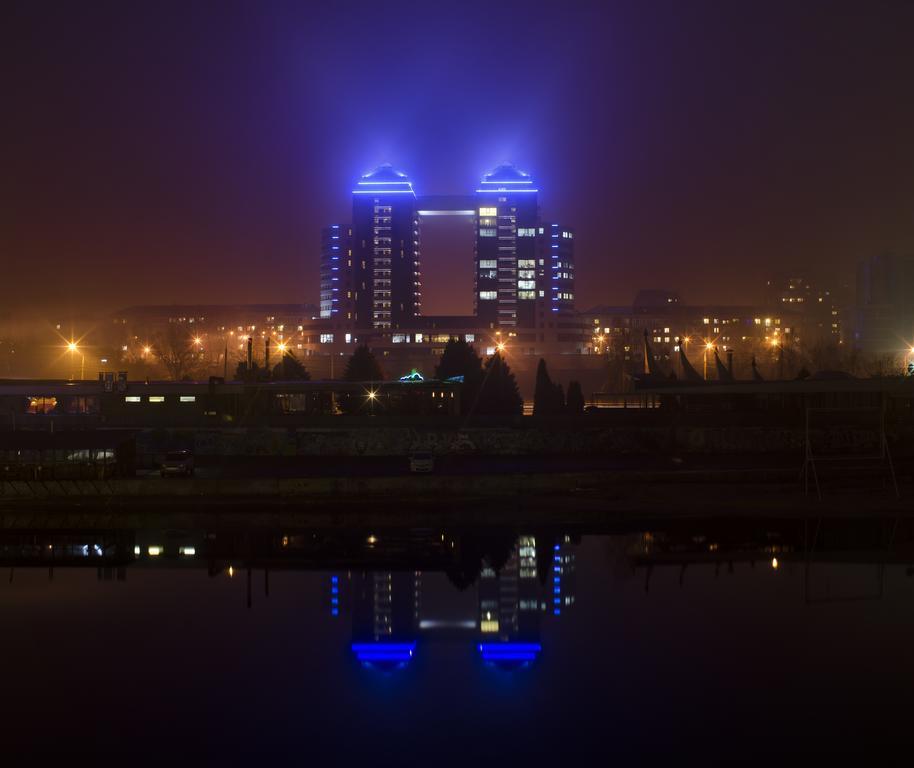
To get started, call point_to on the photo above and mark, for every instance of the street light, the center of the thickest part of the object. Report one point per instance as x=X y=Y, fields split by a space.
x=73 y=347
x=709 y=345
x=500 y=346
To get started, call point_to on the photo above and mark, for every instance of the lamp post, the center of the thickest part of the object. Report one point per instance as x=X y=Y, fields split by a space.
x=779 y=346
x=708 y=347
x=282 y=347
x=73 y=348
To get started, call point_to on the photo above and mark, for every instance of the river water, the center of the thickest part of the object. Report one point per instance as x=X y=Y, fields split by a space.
x=443 y=646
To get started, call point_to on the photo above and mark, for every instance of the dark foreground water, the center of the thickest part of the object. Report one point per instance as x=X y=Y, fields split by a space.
x=434 y=646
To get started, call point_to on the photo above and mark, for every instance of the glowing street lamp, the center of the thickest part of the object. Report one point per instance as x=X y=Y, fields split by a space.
x=73 y=348
x=500 y=346
x=709 y=345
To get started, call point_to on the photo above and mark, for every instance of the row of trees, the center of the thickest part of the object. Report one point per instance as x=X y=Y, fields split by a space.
x=489 y=387
x=549 y=399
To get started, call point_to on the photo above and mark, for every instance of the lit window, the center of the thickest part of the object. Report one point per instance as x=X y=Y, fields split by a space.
x=489 y=232
x=526 y=295
x=488 y=211
x=398 y=338
x=156 y=398
x=542 y=294
x=526 y=263
x=469 y=338
x=348 y=338
x=326 y=338
x=526 y=284
x=488 y=295
x=488 y=263
x=133 y=399
x=187 y=399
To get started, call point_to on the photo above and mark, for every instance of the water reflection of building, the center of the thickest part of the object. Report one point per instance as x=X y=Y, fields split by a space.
x=385 y=614
x=564 y=578
x=509 y=598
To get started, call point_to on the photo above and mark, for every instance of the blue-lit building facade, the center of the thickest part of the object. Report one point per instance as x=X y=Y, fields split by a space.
x=385 y=268
x=336 y=272
x=506 y=227
x=523 y=267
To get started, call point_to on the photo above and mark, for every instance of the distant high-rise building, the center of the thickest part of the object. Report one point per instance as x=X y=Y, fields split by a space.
x=371 y=271
x=818 y=311
x=885 y=304
x=506 y=229
x=336 y=275
x=386 y=279
x=555 y=271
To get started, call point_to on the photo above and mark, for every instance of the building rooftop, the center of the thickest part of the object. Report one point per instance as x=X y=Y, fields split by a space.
x=507 y=172
x=385 y=172
x=384 y=178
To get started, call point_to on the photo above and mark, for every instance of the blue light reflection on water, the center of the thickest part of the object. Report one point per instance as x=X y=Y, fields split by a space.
x=741 y=650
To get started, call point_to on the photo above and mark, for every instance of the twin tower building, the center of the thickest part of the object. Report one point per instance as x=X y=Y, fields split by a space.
x=371 y=271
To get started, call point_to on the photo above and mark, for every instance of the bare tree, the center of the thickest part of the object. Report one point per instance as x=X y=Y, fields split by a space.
x=175 y=350
x=886 y=364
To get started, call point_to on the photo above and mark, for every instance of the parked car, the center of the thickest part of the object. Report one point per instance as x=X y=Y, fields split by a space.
x=421 y=461
x=178 y=463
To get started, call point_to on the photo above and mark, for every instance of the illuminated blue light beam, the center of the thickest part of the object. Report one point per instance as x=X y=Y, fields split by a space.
x=510 y=647
x=360 y=647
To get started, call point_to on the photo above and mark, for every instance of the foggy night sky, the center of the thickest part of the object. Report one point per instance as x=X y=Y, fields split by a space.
x=190 y=152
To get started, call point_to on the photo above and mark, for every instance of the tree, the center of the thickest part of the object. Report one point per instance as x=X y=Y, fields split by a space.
x=548 y=398
x=175 y=350
x=460 y=359
x=290 y=368
x=363 y=366
x=256 y=373
x=575 y=403
x=499 y=395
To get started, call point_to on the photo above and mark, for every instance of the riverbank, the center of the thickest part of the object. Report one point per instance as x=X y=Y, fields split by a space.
x=572 y=496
